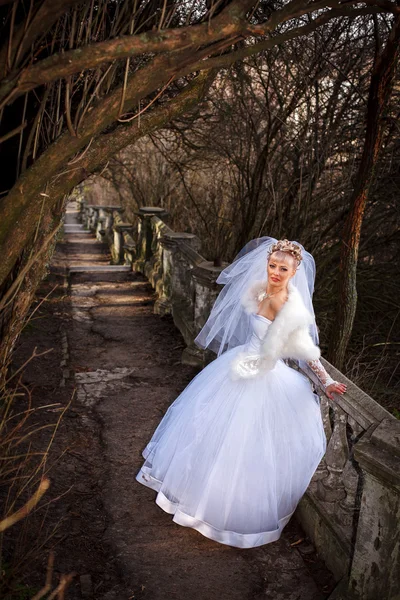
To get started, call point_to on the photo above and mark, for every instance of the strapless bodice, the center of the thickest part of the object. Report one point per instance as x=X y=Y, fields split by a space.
x=247 y=361
x=260 y=325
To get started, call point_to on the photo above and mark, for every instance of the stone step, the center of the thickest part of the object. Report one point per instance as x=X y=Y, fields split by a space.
x=101 y=277
x=78 y=227
x=100 y=269
x=72 y=227
x=80 y=232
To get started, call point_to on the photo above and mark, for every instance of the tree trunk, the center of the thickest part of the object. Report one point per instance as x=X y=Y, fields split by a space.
x=378 y=101
x=51 y=210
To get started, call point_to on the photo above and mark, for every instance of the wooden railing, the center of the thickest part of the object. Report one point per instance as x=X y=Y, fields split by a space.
x=351 y=510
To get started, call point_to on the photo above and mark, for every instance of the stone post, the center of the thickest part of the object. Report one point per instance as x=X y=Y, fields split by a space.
x=93 y=216
x=206 y=291
x=125 y=231
x=81 y=209
x=108 y=223
x=375 y=566
x=85 y=214
x=80 y=206
x=116 y=246
x=176 y=271
x=100 y=228
x=154 y=269
x=129 y=253
x=205 y=277
x=163 y=304
x=145 y=235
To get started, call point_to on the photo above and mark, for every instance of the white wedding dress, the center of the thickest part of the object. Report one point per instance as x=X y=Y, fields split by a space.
x=232 y=457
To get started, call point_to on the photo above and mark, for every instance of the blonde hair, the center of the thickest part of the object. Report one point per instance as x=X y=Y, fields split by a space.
x=286 y=247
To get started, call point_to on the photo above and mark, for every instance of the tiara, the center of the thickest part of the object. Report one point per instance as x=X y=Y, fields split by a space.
x=286 y=246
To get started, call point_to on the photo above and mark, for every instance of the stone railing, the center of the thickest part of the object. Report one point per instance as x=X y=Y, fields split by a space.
x=352 y=504
x=108 y=226
x=351 y=509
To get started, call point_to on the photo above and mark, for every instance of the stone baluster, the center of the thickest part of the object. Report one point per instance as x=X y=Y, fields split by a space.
x=117 y=251
x=93 y=218
x=177 y=266
x=206 y=290
x=145 y=234
x=349 y=504
x=331 y=488
x=126 y=240
x=89 y=211
x=154 y=265
x=79 y=204
x=117 y=239
x=100 y=227
x=163 y=304
x=117 y=212
x=108 y=223
x=375 y=566
x=86 y=215
x=129 y=248
x=82 y=216
x=322 y=470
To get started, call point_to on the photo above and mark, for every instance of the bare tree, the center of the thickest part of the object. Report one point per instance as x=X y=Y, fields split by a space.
x=160 y=46
x=77 y=78
x=292 y=120
x=378 y=100
x=277 y=161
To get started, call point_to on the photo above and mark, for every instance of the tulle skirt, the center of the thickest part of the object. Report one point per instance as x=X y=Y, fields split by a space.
x=232 y=458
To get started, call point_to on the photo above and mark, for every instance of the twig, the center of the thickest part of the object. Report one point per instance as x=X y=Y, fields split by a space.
x=49 y=575
x=140 y=112
x=80 y=156
x=23 y=272
x=21 y=368
x=13 y=132
x=26 y=509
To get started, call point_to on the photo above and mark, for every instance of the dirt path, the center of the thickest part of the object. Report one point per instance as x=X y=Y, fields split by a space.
x=124 y=363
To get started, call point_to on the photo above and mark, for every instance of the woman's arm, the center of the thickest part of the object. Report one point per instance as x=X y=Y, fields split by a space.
x=330 y=385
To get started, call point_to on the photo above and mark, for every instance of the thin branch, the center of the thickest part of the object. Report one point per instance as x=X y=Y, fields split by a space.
x=227 y=59
x=223 y=26
x=13 y=132
x=140 y=112
x=27 y=508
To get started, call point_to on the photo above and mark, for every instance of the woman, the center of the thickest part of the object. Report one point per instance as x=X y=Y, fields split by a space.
x=237 y=449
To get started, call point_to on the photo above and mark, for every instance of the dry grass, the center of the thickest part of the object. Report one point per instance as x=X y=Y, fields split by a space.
x=25 y=481
x=24 y=478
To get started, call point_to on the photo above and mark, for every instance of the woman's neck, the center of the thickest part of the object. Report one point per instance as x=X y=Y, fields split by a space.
x=275 y=290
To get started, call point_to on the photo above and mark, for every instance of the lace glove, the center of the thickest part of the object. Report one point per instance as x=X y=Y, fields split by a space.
x=317 y=367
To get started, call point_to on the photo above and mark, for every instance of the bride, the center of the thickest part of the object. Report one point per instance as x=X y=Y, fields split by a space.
x=236 y=450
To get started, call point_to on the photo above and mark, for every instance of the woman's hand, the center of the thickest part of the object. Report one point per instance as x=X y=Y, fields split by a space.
x=339 y=388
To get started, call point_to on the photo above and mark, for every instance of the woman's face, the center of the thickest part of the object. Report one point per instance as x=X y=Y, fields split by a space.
x=281 y=267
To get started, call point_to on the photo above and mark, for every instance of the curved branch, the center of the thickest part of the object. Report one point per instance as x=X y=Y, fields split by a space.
x=230 y=22
x=19 y=215
x=226 y=60
x=23 y=37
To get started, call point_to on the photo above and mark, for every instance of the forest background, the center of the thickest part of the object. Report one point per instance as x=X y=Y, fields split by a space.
x=242 y=118
x=246 y=118
x=275 y=149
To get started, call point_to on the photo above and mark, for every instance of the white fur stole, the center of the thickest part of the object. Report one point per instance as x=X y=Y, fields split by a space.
x=288 y=335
